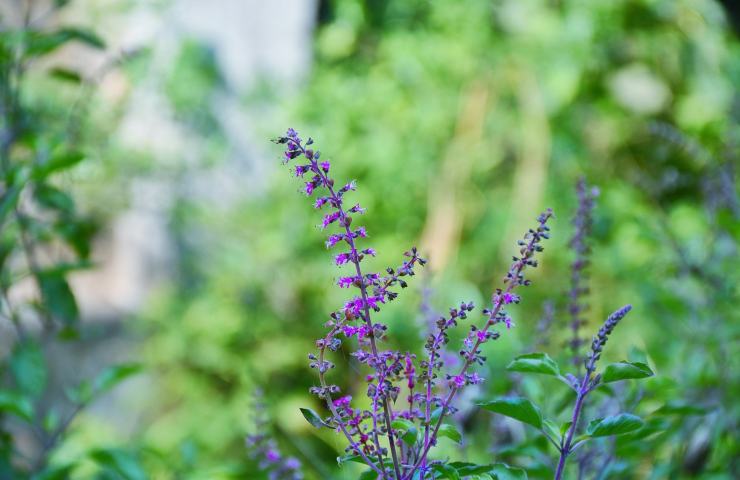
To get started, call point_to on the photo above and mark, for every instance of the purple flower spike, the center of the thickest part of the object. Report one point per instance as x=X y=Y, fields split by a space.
x=370 y=432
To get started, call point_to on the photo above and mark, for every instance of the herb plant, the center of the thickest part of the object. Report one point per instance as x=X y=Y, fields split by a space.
x=410 y=396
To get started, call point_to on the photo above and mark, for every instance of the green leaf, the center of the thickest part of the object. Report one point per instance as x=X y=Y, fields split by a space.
x=502 y=471
x=65 y=75
x=312 y=418
x=406 y=430
x=112 y=376
x=119 y=462
x=625 y=371
x=446 y=471
x=8 y=201
x=60 y=472
x=534 y=363
x=467 y=468
x=61 y=161
x=451 y=432
x=41 y=43
x=552 y=430
x=57 y=296
x=29 y=368
x=18 y=405
x=564 y=428
x=678 y=408
x=53 y=198
x=614 y=425
x=518 y=408
x=368 y=475
x=435 y=416
x=349 y=458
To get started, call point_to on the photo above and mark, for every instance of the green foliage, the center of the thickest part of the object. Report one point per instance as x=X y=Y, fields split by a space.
x=624 y=371
x=517 y=408
x=614 y=425
x=534 y=363
x=43 y=238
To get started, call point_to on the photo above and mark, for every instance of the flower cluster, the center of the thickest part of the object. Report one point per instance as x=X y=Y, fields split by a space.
x=264 y=450
x=598 y=342
x=378 y=434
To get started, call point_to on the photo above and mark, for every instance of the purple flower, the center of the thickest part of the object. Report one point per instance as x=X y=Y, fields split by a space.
x=409 y=371
x=301 y=170
x=357 y=209
x=353 y=307
x=333 y=240
x=272 y=455
x=345 y=282
x=330 y=218
x=309 y=188
x=369 y=431
x=372 y=302
x=342 y=401
x=342 y=258
x=509 y=297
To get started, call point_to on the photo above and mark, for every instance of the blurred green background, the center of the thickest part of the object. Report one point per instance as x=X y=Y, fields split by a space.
x=461 y=121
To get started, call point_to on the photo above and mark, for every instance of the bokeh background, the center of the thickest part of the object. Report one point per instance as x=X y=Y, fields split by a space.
x=461 y=121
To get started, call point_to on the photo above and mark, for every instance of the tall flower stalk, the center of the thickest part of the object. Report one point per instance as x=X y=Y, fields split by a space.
x=582 y=222
x=587 y=384
x=394 y=443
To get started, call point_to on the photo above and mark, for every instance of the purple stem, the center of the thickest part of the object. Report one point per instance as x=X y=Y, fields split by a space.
x=515 y=271
x=565 y=451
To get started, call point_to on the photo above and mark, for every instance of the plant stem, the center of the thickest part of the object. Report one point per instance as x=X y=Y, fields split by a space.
x=565 y=451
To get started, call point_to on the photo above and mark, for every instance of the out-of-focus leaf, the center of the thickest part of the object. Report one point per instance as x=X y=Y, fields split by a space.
x=78 y=232
x=8 y=201
x=518 y=408
x=534 y=363
x=29 y=368
x=65 y=75
x=499 y=471
x=41 y=43
x=17 y=404
x=678 y=408
x=61 y=161
x=119 y=462
x=58 y=297
x=502 y=471
x=112 y=376
x=625 y=371
x=53 y=198
x=59 y=472
x=6 y=248
x=451 y=432
x=614 y=425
